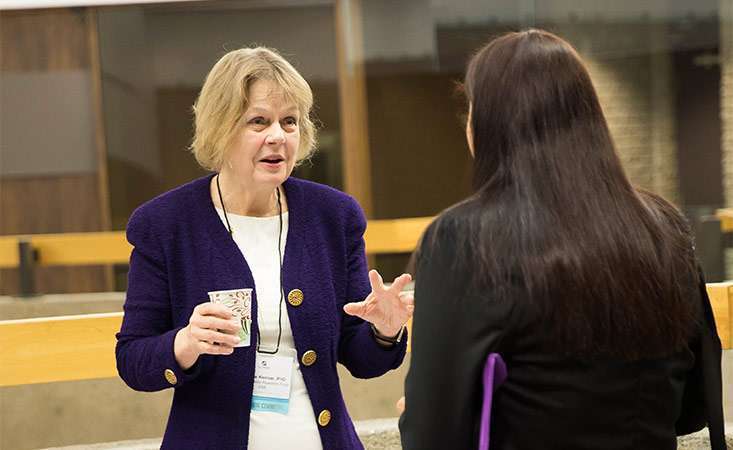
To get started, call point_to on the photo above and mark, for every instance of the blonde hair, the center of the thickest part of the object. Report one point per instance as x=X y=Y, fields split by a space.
x=223 y=100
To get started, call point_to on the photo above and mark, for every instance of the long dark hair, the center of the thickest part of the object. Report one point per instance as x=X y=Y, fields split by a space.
x=610 y=266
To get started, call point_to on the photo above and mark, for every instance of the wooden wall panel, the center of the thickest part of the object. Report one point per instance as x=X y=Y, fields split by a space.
x=44 y=40
x=420 y=159
x=52 y=205
x=175 y=132
x=49 y=204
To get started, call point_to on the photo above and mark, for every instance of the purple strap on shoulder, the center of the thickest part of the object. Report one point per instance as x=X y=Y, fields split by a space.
x=494 y=375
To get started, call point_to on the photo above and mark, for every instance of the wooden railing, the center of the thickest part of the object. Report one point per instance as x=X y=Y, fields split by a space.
x=68 y=348
x=67 y=249
x=725 y=216
x=25 y=252
x=72 y=348
x=75 y=249
x=81 y=347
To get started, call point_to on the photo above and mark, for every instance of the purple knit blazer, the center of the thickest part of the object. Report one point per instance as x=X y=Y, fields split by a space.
x=182 y=251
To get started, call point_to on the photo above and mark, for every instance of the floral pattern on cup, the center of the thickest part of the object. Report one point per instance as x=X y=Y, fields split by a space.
x=239 y=302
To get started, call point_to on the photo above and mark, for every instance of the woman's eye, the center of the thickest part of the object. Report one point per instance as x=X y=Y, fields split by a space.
x=291 y=121
x=258 y=121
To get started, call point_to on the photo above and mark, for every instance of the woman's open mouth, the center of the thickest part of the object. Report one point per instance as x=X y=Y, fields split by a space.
x=272 y=161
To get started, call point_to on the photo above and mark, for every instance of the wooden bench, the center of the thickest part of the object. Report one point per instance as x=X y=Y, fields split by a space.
x=81 y=347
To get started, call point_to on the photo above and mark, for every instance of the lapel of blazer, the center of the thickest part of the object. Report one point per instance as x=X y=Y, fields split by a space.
x=293 y=264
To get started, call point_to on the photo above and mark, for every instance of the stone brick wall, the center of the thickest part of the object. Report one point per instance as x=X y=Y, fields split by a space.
x=726 y=96
x=726 y=111
x=635 y=86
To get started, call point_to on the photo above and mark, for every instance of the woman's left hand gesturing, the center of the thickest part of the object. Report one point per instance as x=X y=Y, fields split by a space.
x=387 y=308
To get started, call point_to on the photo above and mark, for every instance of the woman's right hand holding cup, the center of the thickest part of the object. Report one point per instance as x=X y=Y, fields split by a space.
x=211 y=330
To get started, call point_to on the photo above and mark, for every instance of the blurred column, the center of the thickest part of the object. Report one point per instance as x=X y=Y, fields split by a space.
x=353 y=103
x=726 y=111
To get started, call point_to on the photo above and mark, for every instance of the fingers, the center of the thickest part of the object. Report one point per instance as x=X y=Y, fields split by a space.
x=230 y=326
x=215 y=349
x=400 y=282
x=408 y=301
x=407 y=298
x=377 y=283
x=213 y=309
x=213 y=329
x=375 y=279
x=355 y=309
x=214 y=337
x=400 y=405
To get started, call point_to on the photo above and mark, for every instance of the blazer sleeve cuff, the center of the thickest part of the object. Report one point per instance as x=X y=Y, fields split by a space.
x=380 y=358
x=168 y=373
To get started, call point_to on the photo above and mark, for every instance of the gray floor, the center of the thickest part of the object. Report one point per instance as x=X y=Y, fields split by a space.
x=379 y=434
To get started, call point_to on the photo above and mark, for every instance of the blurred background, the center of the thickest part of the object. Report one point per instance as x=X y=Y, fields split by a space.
x=95 y=119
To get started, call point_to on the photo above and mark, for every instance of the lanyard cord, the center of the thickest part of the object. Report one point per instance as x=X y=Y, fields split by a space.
x=280 y=261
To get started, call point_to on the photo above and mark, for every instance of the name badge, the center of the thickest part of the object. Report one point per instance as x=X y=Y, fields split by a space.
x=273 y=377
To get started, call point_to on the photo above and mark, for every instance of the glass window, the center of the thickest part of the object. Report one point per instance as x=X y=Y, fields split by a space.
x=51 y=160
x=655 y=65
x=154 y=61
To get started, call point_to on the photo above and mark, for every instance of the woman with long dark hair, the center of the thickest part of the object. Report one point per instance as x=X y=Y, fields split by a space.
x=586 y=286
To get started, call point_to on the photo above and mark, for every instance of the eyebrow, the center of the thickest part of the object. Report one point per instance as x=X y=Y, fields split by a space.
x=261 y=110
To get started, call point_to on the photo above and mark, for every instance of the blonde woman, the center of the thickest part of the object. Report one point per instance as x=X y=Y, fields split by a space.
x=247 y=286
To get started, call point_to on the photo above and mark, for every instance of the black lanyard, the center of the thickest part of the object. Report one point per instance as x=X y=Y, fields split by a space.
x=280 y=261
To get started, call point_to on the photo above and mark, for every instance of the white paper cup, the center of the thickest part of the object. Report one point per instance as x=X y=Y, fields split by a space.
x=239 y=302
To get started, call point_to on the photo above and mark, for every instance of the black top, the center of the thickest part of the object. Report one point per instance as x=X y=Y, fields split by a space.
x=547 y=401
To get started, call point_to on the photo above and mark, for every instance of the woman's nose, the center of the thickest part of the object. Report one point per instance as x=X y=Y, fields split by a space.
x=276 y=135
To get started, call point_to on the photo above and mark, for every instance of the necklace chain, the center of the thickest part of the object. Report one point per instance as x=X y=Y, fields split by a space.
x=280 y=261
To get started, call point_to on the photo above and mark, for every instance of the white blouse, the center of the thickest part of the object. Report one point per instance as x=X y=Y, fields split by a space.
x=257 y=239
